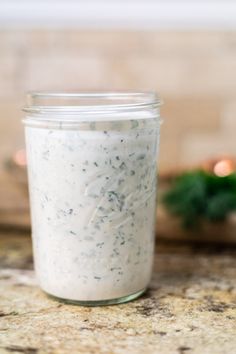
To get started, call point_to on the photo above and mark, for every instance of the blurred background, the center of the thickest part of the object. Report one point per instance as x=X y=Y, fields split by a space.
x=184 y=50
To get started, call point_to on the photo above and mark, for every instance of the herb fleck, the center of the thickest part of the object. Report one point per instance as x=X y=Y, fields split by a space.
x=134 y=124
x=100 y=244
x=141 y=157
x=122 y=166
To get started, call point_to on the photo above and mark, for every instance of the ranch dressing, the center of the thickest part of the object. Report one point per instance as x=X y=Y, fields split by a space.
x=93 y=200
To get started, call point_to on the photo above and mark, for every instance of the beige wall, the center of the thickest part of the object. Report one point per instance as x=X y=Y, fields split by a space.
x=194 y=72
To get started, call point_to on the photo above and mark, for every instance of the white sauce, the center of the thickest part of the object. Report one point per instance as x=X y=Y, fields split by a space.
x=93 y=198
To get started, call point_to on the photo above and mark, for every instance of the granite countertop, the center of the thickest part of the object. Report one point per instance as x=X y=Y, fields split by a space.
x=189 y=308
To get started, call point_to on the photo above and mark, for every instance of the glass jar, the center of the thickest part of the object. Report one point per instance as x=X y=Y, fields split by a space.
x=92 y=179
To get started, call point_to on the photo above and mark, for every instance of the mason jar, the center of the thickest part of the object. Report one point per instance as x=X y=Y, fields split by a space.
x=92 y=169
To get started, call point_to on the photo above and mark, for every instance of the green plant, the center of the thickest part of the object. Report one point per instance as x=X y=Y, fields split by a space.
x=197 y=196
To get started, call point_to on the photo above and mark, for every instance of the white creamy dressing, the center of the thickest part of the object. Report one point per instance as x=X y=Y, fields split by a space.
x=93 y=198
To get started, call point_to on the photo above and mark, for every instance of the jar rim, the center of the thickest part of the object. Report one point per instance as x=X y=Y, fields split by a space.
x=90 y=102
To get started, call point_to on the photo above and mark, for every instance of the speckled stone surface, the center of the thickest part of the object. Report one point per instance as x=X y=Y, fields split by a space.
x=189 y=308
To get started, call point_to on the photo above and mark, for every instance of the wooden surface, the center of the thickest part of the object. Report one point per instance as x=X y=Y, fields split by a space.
x=189 y=308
